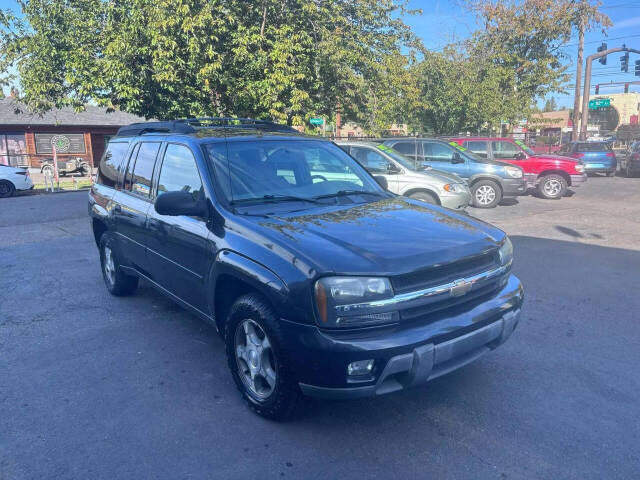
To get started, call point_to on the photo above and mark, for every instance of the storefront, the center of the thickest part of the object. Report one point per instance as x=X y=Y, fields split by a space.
x=28 y=139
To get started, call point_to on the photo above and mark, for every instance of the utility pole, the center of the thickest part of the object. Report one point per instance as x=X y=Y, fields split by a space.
x=587 y=84
x=576 y=98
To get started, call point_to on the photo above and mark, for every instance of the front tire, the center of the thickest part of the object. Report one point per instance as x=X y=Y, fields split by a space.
x=117 y=282
x=424 y=197
x=552 y=187
x=258 y=359
x=486 y=194
x=611 y=174
x=7 y=189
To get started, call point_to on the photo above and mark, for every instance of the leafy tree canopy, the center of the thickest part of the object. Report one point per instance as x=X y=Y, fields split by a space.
x=281 y=59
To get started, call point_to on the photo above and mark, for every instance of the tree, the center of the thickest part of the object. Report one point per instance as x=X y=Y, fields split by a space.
x=281 y=59
x=550 y=105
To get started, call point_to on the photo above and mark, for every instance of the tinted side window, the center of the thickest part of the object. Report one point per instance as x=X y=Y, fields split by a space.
x=437 y=152
x=143 y=169
x=111 y=162
x=503 y=149
x=477 y=147
x=370 y=159
x=406 y=148
x=179 y=172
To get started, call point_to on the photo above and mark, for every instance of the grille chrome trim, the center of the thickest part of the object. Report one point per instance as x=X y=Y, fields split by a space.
x=422 y=297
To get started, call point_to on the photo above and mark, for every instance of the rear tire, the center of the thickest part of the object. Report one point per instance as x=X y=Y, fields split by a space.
x=7 y=189
x=260 y=367
x=552 y=187
x=425 y=197
x=486 y=194
x=117 y=282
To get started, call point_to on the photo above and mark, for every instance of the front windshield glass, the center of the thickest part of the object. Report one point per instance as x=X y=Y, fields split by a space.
x=398 y=157
x=272 y=170
x=524 y=147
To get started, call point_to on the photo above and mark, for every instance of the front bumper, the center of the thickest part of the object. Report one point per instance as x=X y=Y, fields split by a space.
x=512 y=187
x=404 y=355
x=456 y=201
x=577 y=180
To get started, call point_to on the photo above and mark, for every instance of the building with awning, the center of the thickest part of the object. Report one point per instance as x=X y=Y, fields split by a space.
x=26 y=137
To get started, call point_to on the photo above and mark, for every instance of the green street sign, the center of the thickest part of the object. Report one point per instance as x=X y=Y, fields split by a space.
x=597 y=103
x=316 y=121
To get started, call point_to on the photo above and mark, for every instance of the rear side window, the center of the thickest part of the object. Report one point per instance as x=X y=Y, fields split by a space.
x=406 y=148
x=111 y=163
x=437 y=152
x=370 y=159
x=504 y=150
x=143 y=168
x=593 y=147
x=477 y=147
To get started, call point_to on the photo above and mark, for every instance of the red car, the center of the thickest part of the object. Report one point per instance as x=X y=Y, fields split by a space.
x=550 y=174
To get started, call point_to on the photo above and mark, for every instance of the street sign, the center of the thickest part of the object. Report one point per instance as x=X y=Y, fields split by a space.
x=597 y=103
x=316 y=121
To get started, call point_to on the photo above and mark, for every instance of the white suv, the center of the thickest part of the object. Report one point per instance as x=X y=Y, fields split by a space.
x=12 y=179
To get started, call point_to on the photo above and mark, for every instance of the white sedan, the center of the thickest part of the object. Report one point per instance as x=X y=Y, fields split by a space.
x=12 y=179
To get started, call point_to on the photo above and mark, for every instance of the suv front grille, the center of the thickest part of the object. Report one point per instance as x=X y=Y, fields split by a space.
x=441 y=274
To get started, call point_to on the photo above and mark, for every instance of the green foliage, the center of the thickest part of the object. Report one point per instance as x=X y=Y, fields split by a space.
x=550 y=105
x=280 y=59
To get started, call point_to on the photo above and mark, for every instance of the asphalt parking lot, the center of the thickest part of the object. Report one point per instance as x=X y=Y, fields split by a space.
x=98 y=387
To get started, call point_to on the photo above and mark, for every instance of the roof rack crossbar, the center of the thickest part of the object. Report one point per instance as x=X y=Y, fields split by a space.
x=190 y=125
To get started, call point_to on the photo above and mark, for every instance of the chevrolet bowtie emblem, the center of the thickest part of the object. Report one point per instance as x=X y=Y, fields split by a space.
x=460 y=287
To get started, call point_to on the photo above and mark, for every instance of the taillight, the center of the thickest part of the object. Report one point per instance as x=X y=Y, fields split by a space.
x=611 y=154
x=577 y=155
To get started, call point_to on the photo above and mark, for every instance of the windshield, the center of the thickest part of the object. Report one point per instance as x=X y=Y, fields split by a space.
x=263 y=171
x=401 y=159
x=524 y=147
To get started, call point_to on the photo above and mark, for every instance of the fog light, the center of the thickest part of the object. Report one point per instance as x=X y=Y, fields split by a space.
x=361 y=367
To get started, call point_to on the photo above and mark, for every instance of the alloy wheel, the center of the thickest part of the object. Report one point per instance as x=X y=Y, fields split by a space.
x=109 y=265
x=485 y=195
x=255 y=359
x=552 y=187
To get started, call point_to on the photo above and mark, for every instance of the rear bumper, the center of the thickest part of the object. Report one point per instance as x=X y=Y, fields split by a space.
x=407 y=355
x=512 y=187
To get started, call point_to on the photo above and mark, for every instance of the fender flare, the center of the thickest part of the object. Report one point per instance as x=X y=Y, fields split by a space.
x=254 y=274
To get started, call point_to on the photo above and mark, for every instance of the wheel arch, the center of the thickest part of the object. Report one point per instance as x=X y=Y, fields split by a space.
x=235 y=275
x=423 y=190
x=98 y=227
x=562 y=173
x=478 y=178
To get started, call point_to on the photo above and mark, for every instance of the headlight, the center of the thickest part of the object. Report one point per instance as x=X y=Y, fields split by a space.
x=454 y=187
x=579 y=167
x=331 y=293
x=513 y=172
x=506 y=252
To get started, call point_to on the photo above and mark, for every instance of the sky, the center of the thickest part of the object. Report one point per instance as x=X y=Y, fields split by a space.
x=445 y=21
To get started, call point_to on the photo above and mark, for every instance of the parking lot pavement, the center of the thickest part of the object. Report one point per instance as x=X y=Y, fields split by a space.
x=98 y=387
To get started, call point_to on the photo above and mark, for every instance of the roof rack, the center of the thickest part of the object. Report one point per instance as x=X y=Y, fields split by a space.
x=191 y=125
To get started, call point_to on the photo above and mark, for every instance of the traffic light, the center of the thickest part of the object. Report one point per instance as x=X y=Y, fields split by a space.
x=597 y=89
x=637 y=68
x=624 y=62
x=626 y=88
x=602 y=48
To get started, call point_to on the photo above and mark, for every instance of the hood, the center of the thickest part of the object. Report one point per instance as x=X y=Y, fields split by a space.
x=556 y=158
x=439 y=175
x=390 y=236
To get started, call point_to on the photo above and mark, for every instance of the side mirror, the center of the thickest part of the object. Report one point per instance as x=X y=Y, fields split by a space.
x=392 y=169
x=180 y=203
x=520 y=156
x=457 y=158
x=382 y=181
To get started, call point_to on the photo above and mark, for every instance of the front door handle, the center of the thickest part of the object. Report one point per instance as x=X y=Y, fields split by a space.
x=117 y=208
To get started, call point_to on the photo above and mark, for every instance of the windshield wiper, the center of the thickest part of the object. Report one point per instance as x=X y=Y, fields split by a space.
x=342 y=193
x=274 y=198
